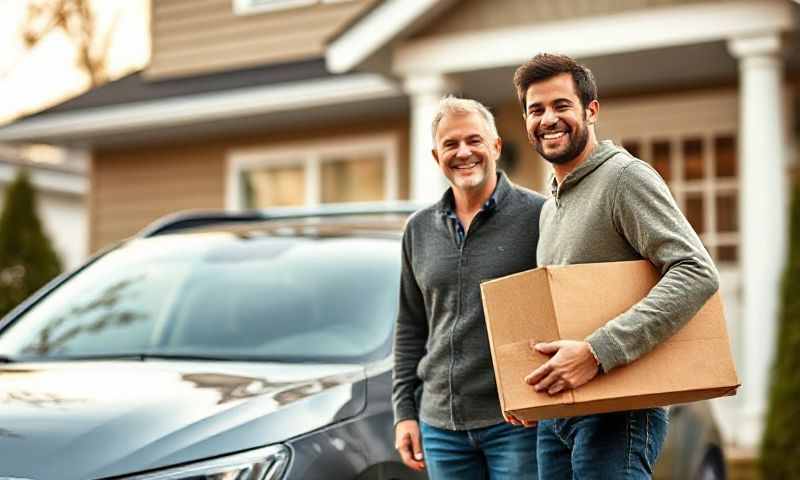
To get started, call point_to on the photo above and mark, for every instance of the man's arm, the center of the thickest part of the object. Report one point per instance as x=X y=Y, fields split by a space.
x=411 y=333
x=645 y=213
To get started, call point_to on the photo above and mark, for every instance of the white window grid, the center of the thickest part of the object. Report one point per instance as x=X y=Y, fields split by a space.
x=709 y=186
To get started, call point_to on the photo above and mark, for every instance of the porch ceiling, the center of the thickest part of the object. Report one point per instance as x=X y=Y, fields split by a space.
x=645 y=71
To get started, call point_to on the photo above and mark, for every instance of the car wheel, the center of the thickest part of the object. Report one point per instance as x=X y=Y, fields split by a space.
x=712 y=467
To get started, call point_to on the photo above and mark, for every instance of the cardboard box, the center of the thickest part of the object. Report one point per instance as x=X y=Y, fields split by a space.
x=570 y=302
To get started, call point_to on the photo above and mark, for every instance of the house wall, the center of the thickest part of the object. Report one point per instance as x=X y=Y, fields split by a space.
x=477 y=15
x=200 y=36
x=530 y=171
x=131 y=188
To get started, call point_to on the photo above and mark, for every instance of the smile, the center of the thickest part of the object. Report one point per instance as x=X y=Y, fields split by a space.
x=465 y=166
x=553 y=135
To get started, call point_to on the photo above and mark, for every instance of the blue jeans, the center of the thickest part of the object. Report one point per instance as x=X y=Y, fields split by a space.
x=619 y=445
x=499 y=452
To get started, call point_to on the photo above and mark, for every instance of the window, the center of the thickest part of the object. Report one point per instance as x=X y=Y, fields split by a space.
x=701 y=171
x=359 y=169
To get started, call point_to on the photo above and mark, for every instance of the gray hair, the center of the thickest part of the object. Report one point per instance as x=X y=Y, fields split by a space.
x=451 y=105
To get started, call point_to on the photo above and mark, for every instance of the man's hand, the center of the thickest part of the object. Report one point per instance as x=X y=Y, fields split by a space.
x=572 y=365
x=407 y=442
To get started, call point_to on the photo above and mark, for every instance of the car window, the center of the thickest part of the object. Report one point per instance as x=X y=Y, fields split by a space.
x=219 y=295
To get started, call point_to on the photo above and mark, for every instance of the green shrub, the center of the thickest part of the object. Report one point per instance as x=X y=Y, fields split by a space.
x=780 y=447
x=27 y=259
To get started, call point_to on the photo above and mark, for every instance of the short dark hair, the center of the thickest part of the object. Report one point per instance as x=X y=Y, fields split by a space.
x=547 y=65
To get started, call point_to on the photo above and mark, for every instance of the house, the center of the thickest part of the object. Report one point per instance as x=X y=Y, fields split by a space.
x=61 y=187
x=257 y=103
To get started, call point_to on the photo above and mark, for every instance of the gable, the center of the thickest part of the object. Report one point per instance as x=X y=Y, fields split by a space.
x=191 y=37
x=480 y=15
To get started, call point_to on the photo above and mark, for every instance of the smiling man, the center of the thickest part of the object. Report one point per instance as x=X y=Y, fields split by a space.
x=606 y=206
x=483 y=227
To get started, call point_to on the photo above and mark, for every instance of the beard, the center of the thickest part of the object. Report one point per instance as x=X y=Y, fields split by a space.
x=578 y=138
x=477 y=178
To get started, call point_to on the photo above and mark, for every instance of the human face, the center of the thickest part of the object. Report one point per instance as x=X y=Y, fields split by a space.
x=557 y=124
x=466 y=151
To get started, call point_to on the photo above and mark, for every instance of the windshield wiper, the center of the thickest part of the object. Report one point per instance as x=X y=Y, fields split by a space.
x=7 y=359
x=184 y=356
x=213 y=358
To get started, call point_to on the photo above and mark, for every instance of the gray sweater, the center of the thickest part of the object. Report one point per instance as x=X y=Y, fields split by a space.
x=441 y=342
x=612 y=208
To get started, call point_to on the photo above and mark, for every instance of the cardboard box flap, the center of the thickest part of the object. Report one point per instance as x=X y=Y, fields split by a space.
x=521 y=360
x=623 y=285
x=518 y=321
x=583 y=304
x=510 y=339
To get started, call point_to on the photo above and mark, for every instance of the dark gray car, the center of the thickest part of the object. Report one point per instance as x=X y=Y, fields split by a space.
x=249 y=346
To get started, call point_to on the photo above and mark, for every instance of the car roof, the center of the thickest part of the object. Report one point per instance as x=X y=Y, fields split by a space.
x=348 y=218
x=362 y=226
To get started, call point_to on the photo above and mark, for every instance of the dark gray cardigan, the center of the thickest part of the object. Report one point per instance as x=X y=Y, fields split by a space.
x=441 y=341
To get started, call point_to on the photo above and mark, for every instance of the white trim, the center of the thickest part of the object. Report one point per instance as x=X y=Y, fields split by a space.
x=595 y=36
x=252 y=7
x=379 y=27
x=54 y=181
x=313 y=171
x=204 y=107
x=311 y=155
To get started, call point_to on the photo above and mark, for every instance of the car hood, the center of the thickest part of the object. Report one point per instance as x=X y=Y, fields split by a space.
x=86 y=420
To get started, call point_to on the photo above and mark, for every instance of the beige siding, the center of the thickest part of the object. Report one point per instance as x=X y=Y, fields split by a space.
x=200 y=36
x=530 y=171
x=131 y=188
x=477 y=15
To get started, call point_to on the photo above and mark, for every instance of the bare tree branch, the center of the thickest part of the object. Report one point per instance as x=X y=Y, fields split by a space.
x=78 y=21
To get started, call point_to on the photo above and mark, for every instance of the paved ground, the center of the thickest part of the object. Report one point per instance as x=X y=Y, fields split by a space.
x=742 y=464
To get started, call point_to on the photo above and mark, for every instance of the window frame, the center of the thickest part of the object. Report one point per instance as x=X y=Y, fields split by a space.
x=709 y=187
x=311 y=156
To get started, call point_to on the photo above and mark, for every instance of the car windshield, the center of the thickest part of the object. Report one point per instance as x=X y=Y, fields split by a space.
x=221 y=296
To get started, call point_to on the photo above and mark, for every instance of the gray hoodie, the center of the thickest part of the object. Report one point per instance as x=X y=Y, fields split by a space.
x=615 y=207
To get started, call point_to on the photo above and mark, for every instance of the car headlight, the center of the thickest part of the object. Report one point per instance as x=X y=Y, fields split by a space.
x=263 y=464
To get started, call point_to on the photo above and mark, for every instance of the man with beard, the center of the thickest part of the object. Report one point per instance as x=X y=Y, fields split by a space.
x=483 y=227
x=606 y=206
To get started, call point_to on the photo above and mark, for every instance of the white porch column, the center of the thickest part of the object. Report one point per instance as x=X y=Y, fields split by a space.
x=762 y=215
x=427 y=181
